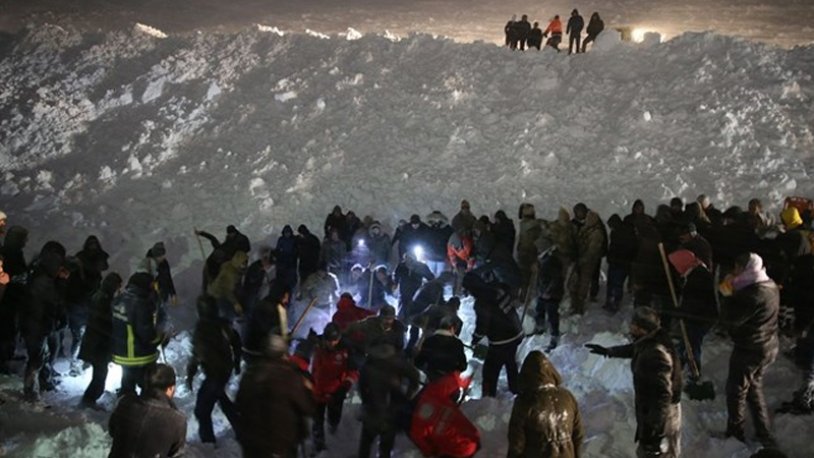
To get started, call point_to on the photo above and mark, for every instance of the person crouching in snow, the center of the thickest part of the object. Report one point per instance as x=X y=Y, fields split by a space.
x=442 y=353
x=545 y=417
x=333 y=378
x=657 y=384
x=438 y=427
x=216 y=349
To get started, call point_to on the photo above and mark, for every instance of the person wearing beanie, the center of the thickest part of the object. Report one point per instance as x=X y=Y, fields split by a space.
x=384 y=328
x=149 y=424
x=273 y=388
x=657 y=384
x=691 y=240
x=750 y=312
x=791 y=218
x=574 y=31
x=464 y=219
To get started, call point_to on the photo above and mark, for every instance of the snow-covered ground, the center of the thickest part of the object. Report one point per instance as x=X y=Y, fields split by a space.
x=138 y=136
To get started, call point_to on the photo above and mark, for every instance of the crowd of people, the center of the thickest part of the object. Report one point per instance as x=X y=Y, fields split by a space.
x=522 y=34
x=394 y=333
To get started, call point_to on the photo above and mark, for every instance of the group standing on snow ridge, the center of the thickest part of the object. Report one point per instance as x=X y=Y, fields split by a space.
x=393 y=322
x=521 y=34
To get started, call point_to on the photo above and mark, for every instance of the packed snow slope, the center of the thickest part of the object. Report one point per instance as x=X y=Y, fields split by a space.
x=139 y=136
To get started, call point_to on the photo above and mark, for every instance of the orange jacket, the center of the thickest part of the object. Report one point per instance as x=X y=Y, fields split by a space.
x=460 y=249
x=555 y=26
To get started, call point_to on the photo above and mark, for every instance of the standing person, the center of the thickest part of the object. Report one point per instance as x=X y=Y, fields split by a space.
x=751 y=315
x=464 y=219
x=156 y=264
x=504 y=231
x=333 y=378
x=136 y=334
x=574 y=31
x=335 y=221
x=621 y=253
x=287 y=257
x=270 y=316
x=523 y=29
x=257 y=281
x=657 y=384
x=224 y=289
x=308 y=247
x=91 y=262
x=216 y=349
x=530 y=230
x=273 y=388
x=439 y=234
x=412 y=235
x=497 y=320
x=550 y=291
x=442 y=353
x=149 y=425
x=535 y=39
x=379 y=244
x=591 y=243
x=410 y=275
x=39 y=320
x=386 y=382
x=555 y=29
x=595 y=26
x=334 y=254
x=97 y=343
x=509 y=30
x=545 y=417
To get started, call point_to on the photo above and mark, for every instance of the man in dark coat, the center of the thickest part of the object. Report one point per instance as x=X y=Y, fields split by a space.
x=443 y=352
x=270 y=316
x=136 y=334
x=149 y=425
x=91 y=261
x=657 y=384
x=216 y=349
x=39 y=319
x=497 y=320
x=414 y=234
x=545 y=417
x=374 y=330
x=550 y=291
x=382 y=384
x=511 y=33
x=751 y=315
x=595 y=27
x=410 y=275
x=436 y=249
x=574 y=31
x=287 y=257
x=522 y=29
x=308 y=247
x=621 y=253
x=535 y=38
x=335 y=222
x=97 y=344
x=273 y=389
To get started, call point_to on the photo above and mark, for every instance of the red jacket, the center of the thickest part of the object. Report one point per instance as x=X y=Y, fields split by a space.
x=461 y=249
x=439 y=428
x=347 y=312
x=331 y=372
x=555 y=26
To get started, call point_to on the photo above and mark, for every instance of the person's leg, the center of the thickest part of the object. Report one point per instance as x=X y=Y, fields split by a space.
x=595 y=275
x=204 y=404
x=571 y=41
x=579 y=42
x=491 y=371
x=366 y=441
x=36 y=355
x=553 y=308
x=510 y=362
x=757 y=402
x=227 y=406
x=335 y=405
x=741 y=368
x=386 y=442
x=540 y=315
x=96 y=387
x=318 y=429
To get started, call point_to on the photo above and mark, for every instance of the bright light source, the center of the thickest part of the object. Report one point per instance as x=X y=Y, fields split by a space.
x=361 y=243
x=638 y=34
x=418 y=251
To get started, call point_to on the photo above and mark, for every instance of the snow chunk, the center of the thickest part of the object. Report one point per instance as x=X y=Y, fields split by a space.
x=213 y=91
x=285 y=96
x=152 y=31
x=317 y=34
x=353 y=34
x=153 y=90
x=270 y=29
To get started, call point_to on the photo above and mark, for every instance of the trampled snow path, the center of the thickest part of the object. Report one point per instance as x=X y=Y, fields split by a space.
x=138 y=138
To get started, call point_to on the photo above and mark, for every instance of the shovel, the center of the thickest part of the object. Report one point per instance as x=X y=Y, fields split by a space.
x=695 y=388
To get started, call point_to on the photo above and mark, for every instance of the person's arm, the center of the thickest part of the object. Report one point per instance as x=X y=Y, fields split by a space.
x=141 y=319
x=212 y=239
x=655 y=366
x=517 y=430
x=237 y=349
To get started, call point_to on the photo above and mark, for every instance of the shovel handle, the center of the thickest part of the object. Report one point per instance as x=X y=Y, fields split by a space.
x=687 y=347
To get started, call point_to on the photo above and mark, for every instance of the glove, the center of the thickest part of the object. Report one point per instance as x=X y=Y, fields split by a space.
x=597 y=349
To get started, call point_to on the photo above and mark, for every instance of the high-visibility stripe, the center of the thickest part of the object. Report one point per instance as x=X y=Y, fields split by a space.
x=140 y=361
x=131 y=342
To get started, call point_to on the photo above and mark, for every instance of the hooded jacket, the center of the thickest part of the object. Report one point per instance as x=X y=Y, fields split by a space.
x=591 y=240
x=97 y=342
x=225 y=286
x=751 y=315
x=45 y=302
x=439 y=233
x=545 y=419
x=331 y=371
x=495 y=316
x=135 y=336
x=347 y=313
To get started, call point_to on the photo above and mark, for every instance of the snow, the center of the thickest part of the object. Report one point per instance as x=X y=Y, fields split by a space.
x=137 y=139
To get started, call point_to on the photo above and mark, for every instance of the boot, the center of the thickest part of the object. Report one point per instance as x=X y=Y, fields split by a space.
x=552 y=344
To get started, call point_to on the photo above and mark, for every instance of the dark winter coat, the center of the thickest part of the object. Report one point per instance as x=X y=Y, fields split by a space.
x=595 y=26
x=382 y=383
x=503 y=227
x=147 y=426
x=266 y=318
x=535 y=38
x=274 y=405
x=379 y=290
x=591 y=240
x=135 y=337
x=410 y=275
x=334 y=254
x=408 y=237
x=335 y=220
x=438 y=312
x=751 y=317
x=575 y=25
x=496 y=318
x=545 y=419
x=701 y=249
x=522 y=29
x=216 y=348
x=622 y=246
x=657 y=384
x=253 y=281
x=439 y=233
x=45 y=302
x=698 y=298
x=308 y=247
x=551 y=277
x=287 y=251
x=373 y=333
x=441 y=353
x=14 y=265
x=466 y=220
x=94 y=262
x=162 y=274
x=97 y=343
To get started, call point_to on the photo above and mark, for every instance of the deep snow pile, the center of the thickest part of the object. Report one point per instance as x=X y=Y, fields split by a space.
x=138 y=137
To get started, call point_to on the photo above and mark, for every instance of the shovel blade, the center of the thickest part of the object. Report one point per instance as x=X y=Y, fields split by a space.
x=700 y=391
